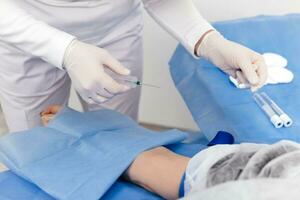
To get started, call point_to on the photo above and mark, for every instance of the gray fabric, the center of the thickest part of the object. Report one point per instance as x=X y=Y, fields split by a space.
x=265 y=159
x=247 y=165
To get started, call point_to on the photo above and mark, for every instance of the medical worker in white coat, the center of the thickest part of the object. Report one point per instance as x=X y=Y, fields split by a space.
x=45 y=45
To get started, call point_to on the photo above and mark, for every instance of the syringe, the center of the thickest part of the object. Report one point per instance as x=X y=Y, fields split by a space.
x=130 y=81
x=274 y=118
x=287 y=121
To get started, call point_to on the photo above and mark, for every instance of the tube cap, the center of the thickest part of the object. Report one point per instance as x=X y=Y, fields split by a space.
x=287 y=121
x=276 y=121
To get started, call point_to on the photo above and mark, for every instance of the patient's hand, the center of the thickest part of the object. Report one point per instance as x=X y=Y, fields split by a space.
x=49 y=113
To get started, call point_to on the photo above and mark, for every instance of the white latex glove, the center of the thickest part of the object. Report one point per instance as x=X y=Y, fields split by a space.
x=85 y=65
x=234 y=59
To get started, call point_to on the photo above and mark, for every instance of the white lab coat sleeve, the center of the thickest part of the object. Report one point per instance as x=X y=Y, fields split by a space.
x=181 y=19
x=21 y=30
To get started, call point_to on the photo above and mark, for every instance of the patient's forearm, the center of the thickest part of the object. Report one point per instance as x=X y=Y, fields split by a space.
x=158 y=170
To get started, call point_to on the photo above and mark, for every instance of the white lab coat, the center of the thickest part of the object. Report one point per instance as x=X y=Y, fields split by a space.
x=34 y=35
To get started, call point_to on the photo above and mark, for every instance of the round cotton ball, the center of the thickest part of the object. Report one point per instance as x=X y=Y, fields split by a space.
x=275 y=60
x=280 y=75
x=270 y=80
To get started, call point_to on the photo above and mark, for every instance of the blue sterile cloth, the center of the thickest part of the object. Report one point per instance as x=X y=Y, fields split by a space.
x=80 y=155
x=217 y=105
x=12 y=187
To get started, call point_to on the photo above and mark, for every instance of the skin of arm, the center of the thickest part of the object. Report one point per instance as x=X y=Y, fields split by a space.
x=158 y=170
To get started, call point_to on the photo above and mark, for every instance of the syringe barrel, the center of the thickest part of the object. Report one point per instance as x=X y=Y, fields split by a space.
x=130 y=81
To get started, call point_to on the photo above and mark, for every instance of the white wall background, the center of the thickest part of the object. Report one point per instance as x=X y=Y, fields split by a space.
x=164 y=106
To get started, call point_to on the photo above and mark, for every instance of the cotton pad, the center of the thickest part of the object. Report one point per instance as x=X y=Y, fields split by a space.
x=275 y=60
x=279 y=75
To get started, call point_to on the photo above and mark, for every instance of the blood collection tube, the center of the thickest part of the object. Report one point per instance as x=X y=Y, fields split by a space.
x=274 y=118
x=287 y=121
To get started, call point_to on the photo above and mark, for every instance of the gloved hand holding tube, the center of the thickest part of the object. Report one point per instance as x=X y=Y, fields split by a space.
x=86 y=65
x=234 y=59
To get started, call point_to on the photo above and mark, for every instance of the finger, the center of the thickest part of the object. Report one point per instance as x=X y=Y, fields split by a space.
x=255 y=67
x=97 y=99
x=46 y=119
x=262 y=71
x=116 y=66
x=90 y=101
x=231 y=72
x=250 y=73
x=54 y=109
x=112 y=86
x=254 y=88
x=243 y=82
x=45 y=112
x=241 y=78
x=104 y=93
x=87 y=98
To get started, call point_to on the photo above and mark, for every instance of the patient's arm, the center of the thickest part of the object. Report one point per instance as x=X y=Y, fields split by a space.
x=158 y=170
